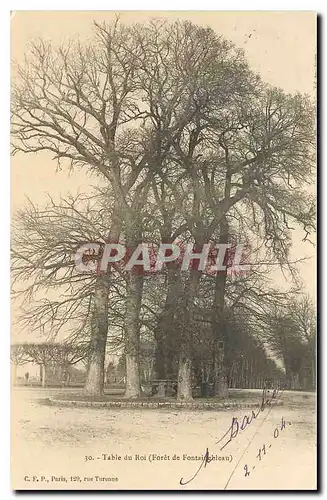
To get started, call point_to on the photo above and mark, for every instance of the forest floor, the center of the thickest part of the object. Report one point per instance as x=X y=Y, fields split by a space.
x=50 y=442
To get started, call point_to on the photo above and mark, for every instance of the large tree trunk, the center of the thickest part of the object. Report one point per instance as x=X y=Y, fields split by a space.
x=184 y=388
x=97 y=350
x=43 y=374
x=160 y=354
x=166 y=333
x=99 y=325
x=134 y=288
x=220 y=386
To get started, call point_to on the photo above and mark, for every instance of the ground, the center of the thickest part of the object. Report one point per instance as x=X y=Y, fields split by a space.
x=78 y=448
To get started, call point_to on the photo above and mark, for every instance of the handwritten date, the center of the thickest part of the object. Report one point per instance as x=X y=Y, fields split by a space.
x=262 y=452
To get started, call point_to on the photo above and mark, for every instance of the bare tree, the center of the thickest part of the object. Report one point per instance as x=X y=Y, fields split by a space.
x=43 y=354
x=68 y=354
x=44 y=245
x=291 y=334
x=175 y=106
x=18 y=356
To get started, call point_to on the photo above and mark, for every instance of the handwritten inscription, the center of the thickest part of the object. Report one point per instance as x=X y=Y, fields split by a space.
x=264 y=449
x=238 y=425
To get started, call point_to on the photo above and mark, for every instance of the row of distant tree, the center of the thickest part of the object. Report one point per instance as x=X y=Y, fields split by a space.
x=291 y=338
x=185 y=143
x=55 y=360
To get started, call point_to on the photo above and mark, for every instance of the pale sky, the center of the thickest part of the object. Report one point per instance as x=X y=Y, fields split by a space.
x=281 y=48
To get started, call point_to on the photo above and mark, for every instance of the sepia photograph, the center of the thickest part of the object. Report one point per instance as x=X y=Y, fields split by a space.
x=163 y=250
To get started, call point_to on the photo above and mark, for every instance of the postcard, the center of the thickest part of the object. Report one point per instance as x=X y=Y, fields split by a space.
x=163 y=218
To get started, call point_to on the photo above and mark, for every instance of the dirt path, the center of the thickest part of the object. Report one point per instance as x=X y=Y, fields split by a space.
x=50 y=442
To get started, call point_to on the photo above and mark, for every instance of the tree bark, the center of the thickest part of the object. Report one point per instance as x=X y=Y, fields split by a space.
x=220 y=387
x=160 y=368
x=97 y=350
x=94 y=382
x=184 y=388
x=166 y=333
x=43 y=375
x=134 y=288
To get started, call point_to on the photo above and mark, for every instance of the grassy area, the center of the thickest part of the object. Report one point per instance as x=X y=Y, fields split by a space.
x=292 y=398
x=118 y=395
